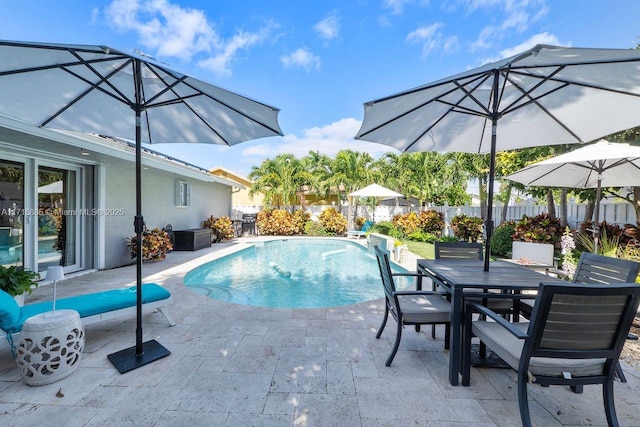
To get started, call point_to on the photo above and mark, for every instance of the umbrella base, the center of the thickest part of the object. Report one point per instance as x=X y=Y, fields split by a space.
x=126 y=360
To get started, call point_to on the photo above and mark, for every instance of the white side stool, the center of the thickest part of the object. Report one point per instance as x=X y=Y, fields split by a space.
x=50 y=347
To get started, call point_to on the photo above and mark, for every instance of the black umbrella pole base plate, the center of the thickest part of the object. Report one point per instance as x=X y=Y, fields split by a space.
x=126 y=360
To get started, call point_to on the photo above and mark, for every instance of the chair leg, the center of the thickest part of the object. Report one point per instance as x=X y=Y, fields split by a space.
x=619 y=373
x=523 y=400
x=384 y=321
x=609 y=403
x=417 y=328
x=397 y=343
x=447 y=335
x=433 y=331
x=577 y=389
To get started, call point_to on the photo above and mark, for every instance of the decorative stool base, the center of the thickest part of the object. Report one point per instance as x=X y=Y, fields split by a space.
x=50 y=347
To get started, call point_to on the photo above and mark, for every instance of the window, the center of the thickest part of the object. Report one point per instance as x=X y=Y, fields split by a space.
x=183 y=194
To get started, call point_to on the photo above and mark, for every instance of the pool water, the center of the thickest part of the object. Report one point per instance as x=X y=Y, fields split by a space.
x=294 y=273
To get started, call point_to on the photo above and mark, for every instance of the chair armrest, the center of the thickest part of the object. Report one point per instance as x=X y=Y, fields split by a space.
x=495 y=316
x=418 y=293
x=408 y=274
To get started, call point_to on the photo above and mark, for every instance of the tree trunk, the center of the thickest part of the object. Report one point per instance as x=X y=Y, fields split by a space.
x=564 y=212
x=505 y=206
x=482 y=189
x=551 y=206
x=588 y=213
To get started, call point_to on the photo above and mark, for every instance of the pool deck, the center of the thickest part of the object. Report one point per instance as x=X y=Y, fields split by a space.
x=234 y=365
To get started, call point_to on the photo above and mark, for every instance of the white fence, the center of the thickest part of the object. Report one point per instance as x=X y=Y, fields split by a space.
x=613 y=213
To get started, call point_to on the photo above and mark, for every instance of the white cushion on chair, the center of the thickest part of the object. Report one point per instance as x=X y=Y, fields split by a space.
x=424 y=308
x=509 y=348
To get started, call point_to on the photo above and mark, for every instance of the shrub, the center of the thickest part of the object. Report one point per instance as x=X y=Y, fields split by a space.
x=467 y=228
x=432 y=222
x=359 y=222
x=538 y=229
x=300 y=218
x=407 y=223
x=222 y=228
x=422 y=236
x=155 y=245
x=387 y=228
x=502 y=238
x=314 y=228
x=277 y=222
x=333 y=221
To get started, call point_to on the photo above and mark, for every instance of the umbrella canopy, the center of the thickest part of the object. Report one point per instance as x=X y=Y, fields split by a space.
x=375 y=190
x=547 y=95
x=106 y=91
x=603 y=164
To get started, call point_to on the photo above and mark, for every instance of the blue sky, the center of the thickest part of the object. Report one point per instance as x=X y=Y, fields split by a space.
x=318 y=61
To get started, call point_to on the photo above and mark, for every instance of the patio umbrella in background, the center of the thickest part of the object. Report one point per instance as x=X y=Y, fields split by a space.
x=109 y=92
x=375 y=190
x=603 y=164
x=547 y=95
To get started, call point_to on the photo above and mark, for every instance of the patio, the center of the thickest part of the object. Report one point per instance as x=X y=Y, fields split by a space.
x=234 y=365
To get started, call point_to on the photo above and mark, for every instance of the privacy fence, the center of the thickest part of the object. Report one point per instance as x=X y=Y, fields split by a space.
x=613 y=212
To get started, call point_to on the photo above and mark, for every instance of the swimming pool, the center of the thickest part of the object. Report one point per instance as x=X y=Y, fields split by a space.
x=293 y=273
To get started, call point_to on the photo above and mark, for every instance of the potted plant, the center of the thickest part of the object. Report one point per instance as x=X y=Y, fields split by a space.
x=17 y=281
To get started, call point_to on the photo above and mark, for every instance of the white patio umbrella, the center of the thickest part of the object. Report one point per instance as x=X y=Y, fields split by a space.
x=547 y=95
x=106 y=91
x=375 y=190
x=603 y=164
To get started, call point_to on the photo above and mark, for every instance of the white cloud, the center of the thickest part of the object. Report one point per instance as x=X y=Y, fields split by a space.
x=431 y=38
x=328 y=139
x=329 y=27
x=541 y=38
x=396 y=6
x=301 y=58
x=513 y=15
x=170 y=30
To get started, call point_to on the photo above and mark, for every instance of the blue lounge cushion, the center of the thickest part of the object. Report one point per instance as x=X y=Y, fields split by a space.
x=93 y=304
x=9 y=311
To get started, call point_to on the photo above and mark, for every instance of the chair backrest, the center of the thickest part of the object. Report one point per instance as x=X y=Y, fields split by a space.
x=458 y=250
x=387 y=279
x=593 y=268
x=581 y=321
x=366 y=225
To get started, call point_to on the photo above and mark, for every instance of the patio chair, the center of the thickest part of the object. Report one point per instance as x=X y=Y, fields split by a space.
x=409 y=307
x=362 y=232
x=596 y=269
x=574 y=338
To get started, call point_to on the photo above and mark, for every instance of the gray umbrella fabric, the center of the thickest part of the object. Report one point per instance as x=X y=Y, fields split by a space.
x=106 y=91
x=547 y=95
x=602 y=164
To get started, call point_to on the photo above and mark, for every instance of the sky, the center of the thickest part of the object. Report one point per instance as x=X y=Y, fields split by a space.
x=318 y=61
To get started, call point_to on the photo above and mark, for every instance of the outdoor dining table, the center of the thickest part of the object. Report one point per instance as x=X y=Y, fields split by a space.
x=465 y=278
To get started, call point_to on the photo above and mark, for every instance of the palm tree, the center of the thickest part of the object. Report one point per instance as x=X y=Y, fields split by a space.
x=351 y=171
x=281 y=180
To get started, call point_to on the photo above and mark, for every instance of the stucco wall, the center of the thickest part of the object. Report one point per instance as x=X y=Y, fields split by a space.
x=158 y=206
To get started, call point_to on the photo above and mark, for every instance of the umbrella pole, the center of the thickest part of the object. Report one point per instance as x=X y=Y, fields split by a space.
x=596 y=219
x=142 y=353
x=488 y=224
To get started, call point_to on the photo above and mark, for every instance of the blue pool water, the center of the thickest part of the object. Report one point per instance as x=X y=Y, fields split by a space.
x=293 y=273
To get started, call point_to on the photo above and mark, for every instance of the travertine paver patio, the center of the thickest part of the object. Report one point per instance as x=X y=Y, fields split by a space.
x=233 y=365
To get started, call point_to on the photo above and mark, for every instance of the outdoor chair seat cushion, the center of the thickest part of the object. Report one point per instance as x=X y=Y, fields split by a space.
x=424 y=308
x=509 y=348
x=13 y=316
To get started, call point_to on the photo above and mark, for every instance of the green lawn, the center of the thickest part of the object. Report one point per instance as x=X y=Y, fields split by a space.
x=424 y=250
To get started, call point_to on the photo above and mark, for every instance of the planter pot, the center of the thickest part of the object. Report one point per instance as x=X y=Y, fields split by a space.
x=541 y=253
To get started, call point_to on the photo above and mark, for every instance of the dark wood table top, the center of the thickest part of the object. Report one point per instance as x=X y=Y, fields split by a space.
x=471 y=274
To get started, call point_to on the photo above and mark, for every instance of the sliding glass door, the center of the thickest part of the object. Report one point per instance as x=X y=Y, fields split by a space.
x=58 y=230
x=11 y=213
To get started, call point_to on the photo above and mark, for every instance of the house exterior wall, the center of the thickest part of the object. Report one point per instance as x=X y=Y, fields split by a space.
x=158 y=206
